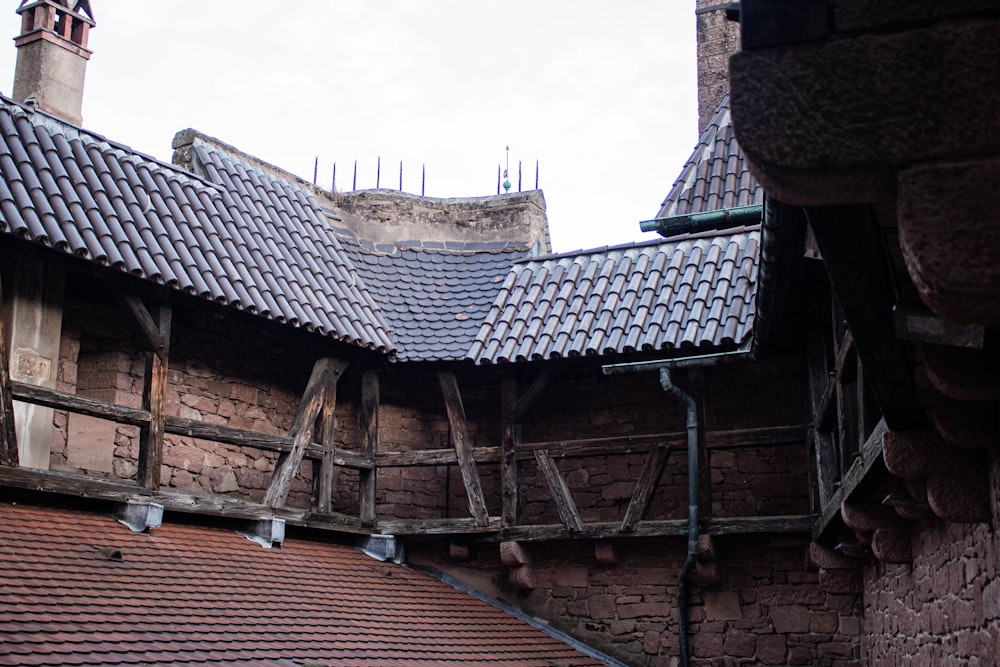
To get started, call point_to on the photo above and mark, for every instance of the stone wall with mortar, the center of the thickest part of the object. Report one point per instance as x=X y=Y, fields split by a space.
x=944 y=607
x=765 y=607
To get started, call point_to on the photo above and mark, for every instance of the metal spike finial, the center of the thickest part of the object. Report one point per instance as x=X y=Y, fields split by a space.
x=506 y=180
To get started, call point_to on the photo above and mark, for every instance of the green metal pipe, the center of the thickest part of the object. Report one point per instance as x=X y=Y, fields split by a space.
x=701 y=222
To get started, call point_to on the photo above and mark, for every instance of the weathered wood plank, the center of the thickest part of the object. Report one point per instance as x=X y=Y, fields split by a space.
x=821 y=392
x=509 y=439
x=323 y=481
x=62 y=400
x=74 y=485
x=624 y=444
x=463 y=447
x=325 y=371
x=147 y=325
x=369 y=446
x=862 y=472
x=649 y=478
x=610 y=530
x=422 y=527
x=560 y=492
x=8 y=437
x=154 y=398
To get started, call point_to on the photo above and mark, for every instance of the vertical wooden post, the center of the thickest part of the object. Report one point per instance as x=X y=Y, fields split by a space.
x=369 y=445
x=325 y=372
x=511 y=436
x=323 y=479
x=154 y=396
x=463 y=447
x=8 y=438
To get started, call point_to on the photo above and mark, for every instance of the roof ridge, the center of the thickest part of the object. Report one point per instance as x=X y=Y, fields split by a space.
x=56 y=125
x=711 y=233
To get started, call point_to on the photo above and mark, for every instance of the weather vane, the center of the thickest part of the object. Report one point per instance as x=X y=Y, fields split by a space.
x=506 y=180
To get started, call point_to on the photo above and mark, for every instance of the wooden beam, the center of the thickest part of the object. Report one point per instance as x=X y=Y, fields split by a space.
x=821 y=392
x=62 y=400
x=850 y=242
x=74 y=486
x=772 y=436
x=326 y=371
x=8 y=437
x=323 y=469
x=560 y=492
x=148 y=326
x=861 y=474
x=463 y=447
x=537 y=388
x=154 y=398
x=245 y=438
x=369 y=446
x=649 y=478
x=509 y=440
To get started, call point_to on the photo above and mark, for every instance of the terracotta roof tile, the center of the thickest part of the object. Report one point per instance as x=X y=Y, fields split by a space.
x=664 y=295
x=202 y=595
x=716 y=176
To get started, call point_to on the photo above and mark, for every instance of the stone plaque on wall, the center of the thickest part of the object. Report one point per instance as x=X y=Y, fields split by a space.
x=90 y=444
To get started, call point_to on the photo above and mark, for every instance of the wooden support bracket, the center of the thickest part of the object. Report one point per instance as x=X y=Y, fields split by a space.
x=560 y=492
x=463 y=447
x=325 y=372
x=649 y=478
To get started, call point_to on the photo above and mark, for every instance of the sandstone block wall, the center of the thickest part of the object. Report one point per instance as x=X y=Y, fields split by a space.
x=767 y=606
x=944 y=608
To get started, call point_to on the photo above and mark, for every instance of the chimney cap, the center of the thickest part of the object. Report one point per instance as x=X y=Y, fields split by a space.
x=80 y=8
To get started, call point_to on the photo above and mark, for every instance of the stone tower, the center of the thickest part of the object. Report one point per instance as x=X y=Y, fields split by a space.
x=718 y=39
x=52 y=55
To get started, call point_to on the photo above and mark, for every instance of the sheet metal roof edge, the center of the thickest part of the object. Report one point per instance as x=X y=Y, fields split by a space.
x=520 y=615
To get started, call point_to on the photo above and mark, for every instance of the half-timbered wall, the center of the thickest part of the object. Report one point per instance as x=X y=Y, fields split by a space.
x=756 y=597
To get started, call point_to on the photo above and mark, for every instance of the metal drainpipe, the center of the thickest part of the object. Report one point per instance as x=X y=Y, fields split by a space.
x=693 y=508
x=694 y=505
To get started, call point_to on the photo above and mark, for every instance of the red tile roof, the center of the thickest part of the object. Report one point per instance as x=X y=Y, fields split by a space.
x=186 y=594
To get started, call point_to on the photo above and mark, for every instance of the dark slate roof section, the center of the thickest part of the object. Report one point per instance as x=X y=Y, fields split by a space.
x=693 y=294
x=77 y=193
x=300 y=262
x=716 y=176
x=434 y=295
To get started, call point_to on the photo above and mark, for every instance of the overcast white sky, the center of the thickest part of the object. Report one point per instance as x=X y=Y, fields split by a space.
x=600 y=92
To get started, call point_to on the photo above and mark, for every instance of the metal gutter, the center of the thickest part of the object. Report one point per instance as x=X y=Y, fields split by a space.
x=508 y=608
x=700 y=222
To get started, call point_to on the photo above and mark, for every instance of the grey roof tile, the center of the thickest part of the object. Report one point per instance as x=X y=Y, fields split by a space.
x=433 y=295
x=82 y=195
x=716 y=176
x=663 y=295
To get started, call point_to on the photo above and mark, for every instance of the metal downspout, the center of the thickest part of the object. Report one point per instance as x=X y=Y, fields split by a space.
x=694 y=496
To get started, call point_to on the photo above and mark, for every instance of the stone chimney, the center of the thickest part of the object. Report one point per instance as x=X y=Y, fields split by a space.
x=52 y=55
x=718 y=38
